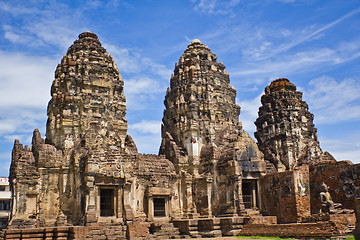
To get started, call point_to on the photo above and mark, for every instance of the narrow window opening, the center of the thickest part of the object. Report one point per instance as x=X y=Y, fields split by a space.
x=106 y=202
x=4 y=205
x=159 y=207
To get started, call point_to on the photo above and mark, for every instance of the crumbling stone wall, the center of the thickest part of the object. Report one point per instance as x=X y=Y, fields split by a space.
x=24 y=186
x=286 y=195
x=343 y=180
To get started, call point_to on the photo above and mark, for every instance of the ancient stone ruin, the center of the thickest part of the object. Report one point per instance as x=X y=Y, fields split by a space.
x=86 y=179
x=285 y=130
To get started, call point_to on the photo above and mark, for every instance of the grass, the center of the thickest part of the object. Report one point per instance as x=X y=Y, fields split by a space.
x=279 y=238
x=259 y=237
x=351 y=238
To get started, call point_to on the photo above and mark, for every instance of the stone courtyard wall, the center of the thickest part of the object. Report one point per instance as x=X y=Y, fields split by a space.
x=286 y=195
x=343 y=180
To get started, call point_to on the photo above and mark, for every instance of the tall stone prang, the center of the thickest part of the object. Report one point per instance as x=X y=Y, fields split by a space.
x=200 y=101
x=87 y=169
x=285 y=129
x=202 y=135
x=86 y=74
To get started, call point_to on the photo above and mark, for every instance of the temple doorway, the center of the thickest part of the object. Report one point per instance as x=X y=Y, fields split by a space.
x=107 y=202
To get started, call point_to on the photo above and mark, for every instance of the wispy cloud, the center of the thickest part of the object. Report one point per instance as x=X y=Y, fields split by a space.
x=147 y=134
x=333 y=101
x=249 y=113
x=40 y=26
x=298 y=40
x=300 y=62
x=346 y=148
x=288 y=64
x=146 y=126
x=217 y=7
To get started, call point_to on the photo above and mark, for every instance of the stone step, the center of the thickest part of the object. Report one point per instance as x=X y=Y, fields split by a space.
x=252 y=212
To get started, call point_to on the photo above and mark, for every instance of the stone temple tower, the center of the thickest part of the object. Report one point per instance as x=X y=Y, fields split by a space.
x=78 y=107
x=202 y=135
x=200 y=101
x=285 y=130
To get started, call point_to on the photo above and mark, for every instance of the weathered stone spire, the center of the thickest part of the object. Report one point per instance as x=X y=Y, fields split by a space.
x=87 y=97
x=202 y=136
x=200 y=100
x=285 y=130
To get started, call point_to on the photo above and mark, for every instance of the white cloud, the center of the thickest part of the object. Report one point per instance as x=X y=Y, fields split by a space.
x=249 y=113
x=287 y=64
x=148 y=143
x=142 y=85
x=25 y=80
x=345 y=148
x=131 y=61
x=207 y=6
x=47 y=23
x=152 y=127
x=157 y=69
x=18 y=10
x=217 y=7
x=287 y=39
x=334 y=101
x=128 y=60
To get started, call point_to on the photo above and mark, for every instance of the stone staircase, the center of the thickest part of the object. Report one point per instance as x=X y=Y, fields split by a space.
x=350 y=229
x=252 y=212
x=163 y=231
x=106 y=230
x=255 y=217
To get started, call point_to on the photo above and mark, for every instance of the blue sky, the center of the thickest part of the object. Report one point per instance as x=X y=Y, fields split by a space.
x=315 y=44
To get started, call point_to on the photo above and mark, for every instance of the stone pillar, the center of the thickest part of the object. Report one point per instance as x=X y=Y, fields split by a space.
x=253 y=186
x=167 y=206
x=238 y=200
x=190 y=206
x=209 y=190
x=302 y=192
x=258 y=187
x=150 y=208
x=119 y=198
x=92 y=209
x=129 y=215
x=356 y=232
